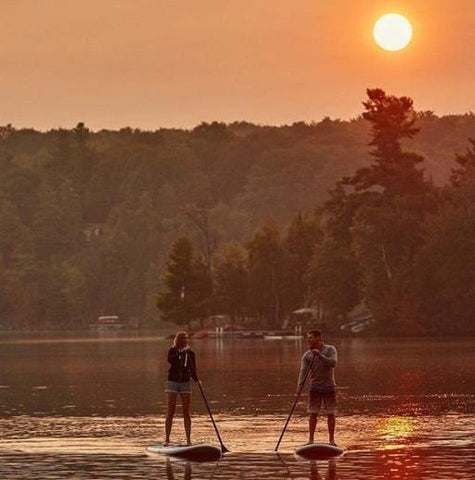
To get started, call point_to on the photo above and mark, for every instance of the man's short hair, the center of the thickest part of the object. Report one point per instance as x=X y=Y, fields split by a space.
x=315 y=333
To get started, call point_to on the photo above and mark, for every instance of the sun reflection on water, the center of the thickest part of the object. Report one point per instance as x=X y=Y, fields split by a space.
x=397 y=430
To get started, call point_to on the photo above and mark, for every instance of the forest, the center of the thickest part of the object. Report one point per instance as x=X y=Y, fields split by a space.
x=247 y=220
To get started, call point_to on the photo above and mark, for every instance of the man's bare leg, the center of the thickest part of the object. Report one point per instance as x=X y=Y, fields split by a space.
x=331 y=428
x=312 y=425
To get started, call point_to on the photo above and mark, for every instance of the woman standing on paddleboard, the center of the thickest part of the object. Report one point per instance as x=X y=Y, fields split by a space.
x=182 y=368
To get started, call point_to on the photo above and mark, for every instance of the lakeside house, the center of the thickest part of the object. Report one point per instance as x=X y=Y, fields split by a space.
x=105 y=323
x=358 y=320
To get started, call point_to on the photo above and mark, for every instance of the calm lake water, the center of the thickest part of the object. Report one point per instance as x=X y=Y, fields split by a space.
x=87 y=408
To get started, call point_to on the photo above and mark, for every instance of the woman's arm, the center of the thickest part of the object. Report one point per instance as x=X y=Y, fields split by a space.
x=192 y=361
x=172 y=354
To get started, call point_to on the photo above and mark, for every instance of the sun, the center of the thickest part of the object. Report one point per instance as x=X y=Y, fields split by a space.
x=392 y=32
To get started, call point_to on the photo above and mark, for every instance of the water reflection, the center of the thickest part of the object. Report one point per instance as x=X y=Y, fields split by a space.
x=330 y=472
x=252 y=466
x=125 y=376
x=397 y=429
x=68 y=458
x=172 y=470
x=87 y=409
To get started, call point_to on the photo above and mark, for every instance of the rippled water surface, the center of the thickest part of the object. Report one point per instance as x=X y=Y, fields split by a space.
x=80 y=409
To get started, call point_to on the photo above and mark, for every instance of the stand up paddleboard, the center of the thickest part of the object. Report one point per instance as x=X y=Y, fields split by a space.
x=201 y=452
x=315 y=451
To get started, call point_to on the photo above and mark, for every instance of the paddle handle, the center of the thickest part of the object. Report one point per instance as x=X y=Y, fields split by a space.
x=295 y=403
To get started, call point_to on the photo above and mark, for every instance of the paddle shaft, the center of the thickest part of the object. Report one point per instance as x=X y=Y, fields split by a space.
x=223 y=448
x=295 y=403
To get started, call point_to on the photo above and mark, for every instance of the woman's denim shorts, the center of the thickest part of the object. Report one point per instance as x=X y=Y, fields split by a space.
x=178 y=387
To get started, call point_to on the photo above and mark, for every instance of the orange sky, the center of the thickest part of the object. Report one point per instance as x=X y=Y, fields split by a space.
x=175 y=63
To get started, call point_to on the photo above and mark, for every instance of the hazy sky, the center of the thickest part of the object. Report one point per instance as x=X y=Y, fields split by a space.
x=175 y=63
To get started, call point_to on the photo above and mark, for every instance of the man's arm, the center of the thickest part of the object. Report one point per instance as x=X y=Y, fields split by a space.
x=330 y=359
x=304 y=365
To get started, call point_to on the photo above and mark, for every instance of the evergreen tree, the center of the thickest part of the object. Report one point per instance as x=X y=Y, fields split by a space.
x=394 y=171
x=266 y=266
x=465 y=172
x=95 y=213
x=444 y=279
x=231 y=279
x=303 y=237
x=378 y=222
x=386 y=241
x=188 y=286
x=333 y=278
x=19 y=186
x=57 y=226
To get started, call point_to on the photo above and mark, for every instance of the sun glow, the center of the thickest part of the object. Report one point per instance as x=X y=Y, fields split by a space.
x=397 y=431
x=392 y=32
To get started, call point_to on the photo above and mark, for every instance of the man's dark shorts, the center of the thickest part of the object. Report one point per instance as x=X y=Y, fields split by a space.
x=322 y=395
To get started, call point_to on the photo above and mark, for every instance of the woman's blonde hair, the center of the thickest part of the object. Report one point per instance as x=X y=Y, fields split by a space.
x=178 y=338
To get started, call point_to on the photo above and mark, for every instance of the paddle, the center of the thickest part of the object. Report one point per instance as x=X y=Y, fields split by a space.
x=295 y=403
x=223 y=448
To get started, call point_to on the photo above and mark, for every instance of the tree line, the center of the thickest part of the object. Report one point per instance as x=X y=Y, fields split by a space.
x=387 y=238
x=268 y=219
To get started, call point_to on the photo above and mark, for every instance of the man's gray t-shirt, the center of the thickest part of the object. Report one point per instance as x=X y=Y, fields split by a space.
x=323 y=368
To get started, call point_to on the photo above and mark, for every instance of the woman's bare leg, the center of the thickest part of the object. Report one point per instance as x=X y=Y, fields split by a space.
x=171 y=406
x=186 y=402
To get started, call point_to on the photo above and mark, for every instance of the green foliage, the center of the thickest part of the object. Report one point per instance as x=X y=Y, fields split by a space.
x=303 y=238
x=333 y=277
x=19 y=186
x=444 y=281
x=57 y=226
x=377 y=225
x=87 y=218
x=188 y=289
x=465 y=172
x=386 y=240
x=267 y=264
x=394 y=171
x=14 y=233
x=231 y=280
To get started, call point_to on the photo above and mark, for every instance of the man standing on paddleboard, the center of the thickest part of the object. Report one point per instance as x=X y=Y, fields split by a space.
x=321 y=360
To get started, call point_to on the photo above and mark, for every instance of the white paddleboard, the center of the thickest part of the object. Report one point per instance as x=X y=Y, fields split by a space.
x=200 y=452
x=318 y=450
